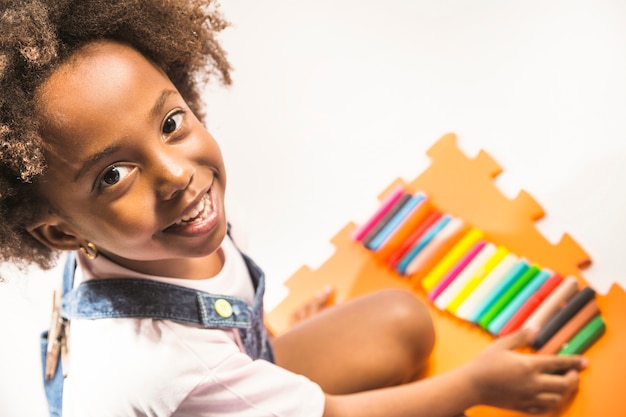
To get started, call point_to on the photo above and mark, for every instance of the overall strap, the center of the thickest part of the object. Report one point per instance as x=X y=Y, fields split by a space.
x=143 y=298
x=68 y=272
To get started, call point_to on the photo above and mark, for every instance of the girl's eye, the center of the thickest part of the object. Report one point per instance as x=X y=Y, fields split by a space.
x=114 y=175
x=172 y=122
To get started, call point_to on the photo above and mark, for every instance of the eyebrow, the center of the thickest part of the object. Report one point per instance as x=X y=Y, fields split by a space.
x=160 y=103
x=91 y=162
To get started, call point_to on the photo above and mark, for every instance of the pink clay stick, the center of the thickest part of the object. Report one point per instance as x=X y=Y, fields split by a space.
x=384 y=207
x=553 y=303
x=456 y=270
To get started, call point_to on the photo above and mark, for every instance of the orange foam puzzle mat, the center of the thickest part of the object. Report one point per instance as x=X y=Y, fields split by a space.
x=464 y=187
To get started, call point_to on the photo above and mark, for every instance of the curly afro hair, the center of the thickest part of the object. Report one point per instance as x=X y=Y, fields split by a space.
x=38 y=36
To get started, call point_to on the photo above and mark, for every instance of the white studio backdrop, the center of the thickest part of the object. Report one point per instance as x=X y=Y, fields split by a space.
x=334 y=99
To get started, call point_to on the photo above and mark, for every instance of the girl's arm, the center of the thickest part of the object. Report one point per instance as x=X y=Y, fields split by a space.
x=498 y=377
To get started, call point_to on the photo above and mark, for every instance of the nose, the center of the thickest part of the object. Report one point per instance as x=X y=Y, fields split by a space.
x=173 y=174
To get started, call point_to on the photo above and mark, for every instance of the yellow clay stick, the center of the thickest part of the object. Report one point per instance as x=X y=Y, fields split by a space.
x=477 y=278
x=451 y=258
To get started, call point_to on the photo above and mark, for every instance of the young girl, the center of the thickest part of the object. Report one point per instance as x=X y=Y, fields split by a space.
x=103 y=154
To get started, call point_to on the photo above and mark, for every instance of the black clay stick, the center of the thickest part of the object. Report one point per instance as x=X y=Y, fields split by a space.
x=557 y=321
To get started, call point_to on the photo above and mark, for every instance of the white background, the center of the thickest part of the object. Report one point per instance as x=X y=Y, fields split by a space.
x=334 y=99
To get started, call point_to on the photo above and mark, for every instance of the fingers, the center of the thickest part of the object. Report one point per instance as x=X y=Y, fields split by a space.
x=515 y=340
x=545 y=363
x=544 y=403
x=558 y=392
x=538 y=383
x=561 y=384
x=554 y=391
x=560 y=363
x=558 y=374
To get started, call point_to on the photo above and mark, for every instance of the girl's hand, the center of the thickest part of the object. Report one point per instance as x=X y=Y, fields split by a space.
x=530 y=383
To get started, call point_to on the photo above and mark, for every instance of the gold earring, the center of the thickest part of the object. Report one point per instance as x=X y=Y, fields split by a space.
x=90 y=251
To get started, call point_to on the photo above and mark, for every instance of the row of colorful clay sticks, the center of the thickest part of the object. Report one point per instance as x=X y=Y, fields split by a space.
x=462 y=272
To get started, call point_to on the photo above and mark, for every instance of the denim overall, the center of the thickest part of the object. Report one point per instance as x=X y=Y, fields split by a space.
x=142 y=298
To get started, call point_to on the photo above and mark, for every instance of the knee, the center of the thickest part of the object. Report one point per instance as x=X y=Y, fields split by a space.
x=408 y=313
x=412 y=324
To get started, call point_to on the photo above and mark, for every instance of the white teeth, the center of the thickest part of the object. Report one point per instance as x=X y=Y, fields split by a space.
x=203 y=207
x=196 y=210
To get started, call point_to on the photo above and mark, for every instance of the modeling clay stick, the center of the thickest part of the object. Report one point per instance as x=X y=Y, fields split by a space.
x=530 y=305
x=459 y=249
x=456 y=269
x=417 y=216
x=507 y=296
x=476 y=278
x=567 y=332
x=509 y=278
x=518 y=300
x=384 y=207
x=585 y=338
x=553 y=303
x=442 y=240
x=557 y=321
x=464 y=276
x=395 y=256
x=421 y=243
x=475 y=299
x=395 y=221
x=385 y=219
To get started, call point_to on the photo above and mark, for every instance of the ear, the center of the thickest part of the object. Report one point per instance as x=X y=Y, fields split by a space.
x=55 y=235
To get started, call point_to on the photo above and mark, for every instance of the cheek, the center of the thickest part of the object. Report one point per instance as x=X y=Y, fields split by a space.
x=127 y=221
x=208 y=149
x=132 y=214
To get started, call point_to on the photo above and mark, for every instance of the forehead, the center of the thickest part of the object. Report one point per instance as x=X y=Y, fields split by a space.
x=100 y=81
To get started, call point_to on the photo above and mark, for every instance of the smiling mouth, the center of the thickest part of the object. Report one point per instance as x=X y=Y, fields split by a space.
x=200 y=219
x=200 y=211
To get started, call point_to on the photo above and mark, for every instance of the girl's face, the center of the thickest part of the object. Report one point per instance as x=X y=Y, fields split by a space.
x=130 y=168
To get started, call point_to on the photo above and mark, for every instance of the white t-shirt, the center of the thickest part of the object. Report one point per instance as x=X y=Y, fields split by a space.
x=146 y=367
